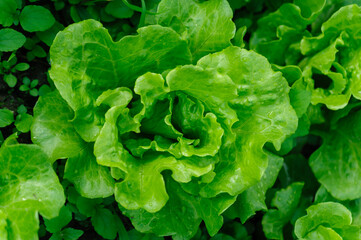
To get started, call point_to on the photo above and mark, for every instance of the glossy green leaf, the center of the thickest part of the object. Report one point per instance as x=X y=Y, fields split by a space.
x=118 y=9
x=265 y=115
x=10 y=79
x=328 y=220
x=336 y=163
x=22 y=66
x=253 y=199
x=322 y=195
x=182 y=214
x=207 y=25
x=279 y=30
x=53 y=131
x=28 y=185
x=331 y=69
x=52 y=128
x=86 y=206
x=67 y=234
x=90 y=179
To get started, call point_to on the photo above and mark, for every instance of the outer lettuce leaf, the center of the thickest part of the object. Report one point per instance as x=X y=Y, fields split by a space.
x=28 y=186
x=264 y=112
x=334 y=54
x=207 y=26
x=328 y=220
x=279 y=33
x=90 y=179
x=53 y=130
x=336 y=163
x=286 y=201
x=253 y=199
x=182 y=214
x=322 y=195
x=86 y=62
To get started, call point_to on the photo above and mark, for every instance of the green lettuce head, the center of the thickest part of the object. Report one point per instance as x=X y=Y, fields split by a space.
x=169 y=138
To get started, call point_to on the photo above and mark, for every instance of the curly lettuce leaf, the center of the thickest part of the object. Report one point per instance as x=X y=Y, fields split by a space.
x=336 y=163
x=182 y=214
x=28 y=186
x=90 y=179
x=207 y=26
x=52 y=129
x=322 y=195
x=54 y=132
x=331 y=68
x=253 y=199
x=264 y=115
x=86 y=62
x=279 y=33
x=328 y=220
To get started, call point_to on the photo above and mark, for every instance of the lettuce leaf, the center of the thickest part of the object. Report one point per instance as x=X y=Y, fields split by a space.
x=279 y=33
x=207 y=26
x=253 y=199
x=336 y=163
x=54 y=132
x=28 y=186
x=286 y=201
x=328 y=220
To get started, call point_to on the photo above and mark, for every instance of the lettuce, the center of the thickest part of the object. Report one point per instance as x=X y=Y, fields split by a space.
x=180 y=123
x=328 y=220
x=29 y=186
x=172 y=140
x=339 y=177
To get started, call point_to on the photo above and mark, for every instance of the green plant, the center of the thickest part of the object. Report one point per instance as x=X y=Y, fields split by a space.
x=23 y=120
x=163 y=114
x=9 y=67
x=30 y=86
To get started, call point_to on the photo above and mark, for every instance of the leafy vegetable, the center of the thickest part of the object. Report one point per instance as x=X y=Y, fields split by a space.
x=28 y=185
x=341 y=143
x=182 y=119
x=327 y=220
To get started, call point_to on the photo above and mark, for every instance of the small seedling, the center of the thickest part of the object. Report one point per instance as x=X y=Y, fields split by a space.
x=23 y=120
x=9 y=67
x=30 y=86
